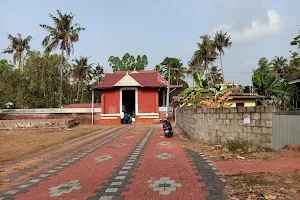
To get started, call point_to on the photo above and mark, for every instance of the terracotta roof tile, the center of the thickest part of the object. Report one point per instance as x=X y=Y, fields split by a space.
x=146 y=78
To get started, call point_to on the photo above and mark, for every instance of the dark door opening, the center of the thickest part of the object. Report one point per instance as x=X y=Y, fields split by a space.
x=128 y=101
x=240 y=105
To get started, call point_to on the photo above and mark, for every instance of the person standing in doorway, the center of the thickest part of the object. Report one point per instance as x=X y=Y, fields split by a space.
x=122 y=117
x=126 y=118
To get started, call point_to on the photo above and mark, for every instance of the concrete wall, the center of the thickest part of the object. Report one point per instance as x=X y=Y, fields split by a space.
x=83 y=118
x=37 y=123
x=216 y=126
x=50 y=111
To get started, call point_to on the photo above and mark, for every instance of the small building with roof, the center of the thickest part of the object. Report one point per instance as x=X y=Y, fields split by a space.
x=138 y=93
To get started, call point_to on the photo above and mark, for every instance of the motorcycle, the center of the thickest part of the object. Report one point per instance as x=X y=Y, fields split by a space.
x=167 y=127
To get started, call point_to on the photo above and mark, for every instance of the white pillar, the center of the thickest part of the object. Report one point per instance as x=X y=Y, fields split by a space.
x=92 y=106
x=168 y=94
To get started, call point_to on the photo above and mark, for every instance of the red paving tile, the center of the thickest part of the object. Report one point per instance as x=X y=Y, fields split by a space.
x=177 y=168
x=251 y=166
x=89 y=172
x=90 y=179
x=47 y=159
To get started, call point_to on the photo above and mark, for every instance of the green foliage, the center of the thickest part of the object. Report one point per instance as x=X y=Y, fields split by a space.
x=237 y=143
x=177 y=70
x=215 y=77
x=98 y=73
x=221 y=41
x=37 y=85
x=82 y=72
x=18 y=46
x=271 y=80
x=63 y=34
x=205 y=55
x=128 y=62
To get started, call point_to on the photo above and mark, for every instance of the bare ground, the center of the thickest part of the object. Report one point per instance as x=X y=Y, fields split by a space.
x=276 y=185
x=17 y=143
x=223 y=154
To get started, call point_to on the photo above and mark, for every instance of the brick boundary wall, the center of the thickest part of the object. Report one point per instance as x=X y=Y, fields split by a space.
x=217 y=125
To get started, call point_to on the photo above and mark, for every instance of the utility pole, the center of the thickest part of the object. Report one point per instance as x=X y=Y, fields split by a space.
x=168 y=93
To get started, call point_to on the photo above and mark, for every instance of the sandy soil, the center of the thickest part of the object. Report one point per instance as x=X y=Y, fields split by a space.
x=17 y=143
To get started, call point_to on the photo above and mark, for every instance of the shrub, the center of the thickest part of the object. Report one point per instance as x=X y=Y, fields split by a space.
x=237 y=143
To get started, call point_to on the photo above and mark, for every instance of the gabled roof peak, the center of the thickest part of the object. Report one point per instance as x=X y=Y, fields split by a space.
x=127 y=80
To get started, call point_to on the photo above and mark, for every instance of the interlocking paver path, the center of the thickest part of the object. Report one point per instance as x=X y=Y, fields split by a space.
x=133 y=163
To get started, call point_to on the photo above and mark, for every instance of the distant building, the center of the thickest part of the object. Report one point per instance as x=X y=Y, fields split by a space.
x=244 y=100
x=140 y=92
x=235 y=100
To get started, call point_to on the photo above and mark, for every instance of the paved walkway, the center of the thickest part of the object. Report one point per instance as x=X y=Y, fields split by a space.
x=134 y=163
x=251 y=166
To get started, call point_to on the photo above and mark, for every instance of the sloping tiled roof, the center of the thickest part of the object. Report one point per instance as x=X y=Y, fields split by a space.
x=145 y=78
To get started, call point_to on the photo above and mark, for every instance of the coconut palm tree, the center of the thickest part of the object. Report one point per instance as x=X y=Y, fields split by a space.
x=206 y=53
x=82 y=72
x=221 y=41
x=193 y=71
x=17 y=47
x=216 y=75
x=177 y=70
x=279 y=65
x=63 y=34
x=98 y=73
x=157 y=68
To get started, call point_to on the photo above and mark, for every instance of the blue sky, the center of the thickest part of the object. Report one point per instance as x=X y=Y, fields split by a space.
x=160 y=28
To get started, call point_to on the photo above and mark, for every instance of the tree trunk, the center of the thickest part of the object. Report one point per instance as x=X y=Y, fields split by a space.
x=20 y=61
x=223 y=79
x=81 y=91
x=206 y=66
x=78 y=89
x=61 y=78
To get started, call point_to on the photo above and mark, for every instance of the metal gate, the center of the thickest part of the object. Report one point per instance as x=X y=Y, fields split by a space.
x=285 y=129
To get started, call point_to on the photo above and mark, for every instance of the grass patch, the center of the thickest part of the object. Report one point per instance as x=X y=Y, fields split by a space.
x=237 y=143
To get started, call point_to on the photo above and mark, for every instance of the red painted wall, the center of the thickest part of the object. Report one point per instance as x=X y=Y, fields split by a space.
x=110 y=101
x=147 y=100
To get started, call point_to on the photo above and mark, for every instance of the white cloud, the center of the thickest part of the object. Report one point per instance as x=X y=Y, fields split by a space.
x=256 y=30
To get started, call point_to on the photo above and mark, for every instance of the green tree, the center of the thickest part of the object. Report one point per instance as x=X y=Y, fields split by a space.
x=157 y=68
x=279 y=65
x=296 y=41
x=42 y=76
x=82 y=72
x=7 y=89
x=268 y=84
x=17 y=47
x=221 y=41
x=63 y=34
x=216 y=76
x=128 y=62
x=206 y=53
x=177 y=72
x=98 y=73
x=195 y=70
